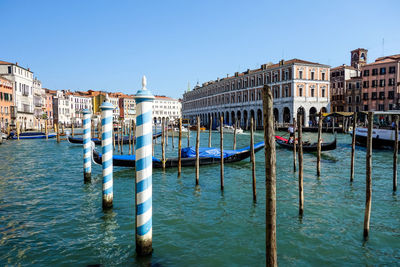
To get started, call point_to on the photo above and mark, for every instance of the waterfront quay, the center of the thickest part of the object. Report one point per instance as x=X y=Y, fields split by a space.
x=49 y=216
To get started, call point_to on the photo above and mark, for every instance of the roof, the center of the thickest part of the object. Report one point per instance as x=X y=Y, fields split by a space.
x=162 y=97
x=344 y=66
x=5 y=63
x=393 y=57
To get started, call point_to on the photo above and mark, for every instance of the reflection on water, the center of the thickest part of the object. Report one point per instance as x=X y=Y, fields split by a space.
x=48 y=216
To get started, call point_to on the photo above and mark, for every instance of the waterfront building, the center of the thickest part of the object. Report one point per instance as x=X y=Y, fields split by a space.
x=381 y=84
x=23 y=92
x=127 y=108
x=353 y=94
x=49 y=106
x=61 y=108
x=166 y=107
x=6 y=102
x=39 y=98
x=297 y=86
x=341 y=75
x=78 y=102
x=114 y=100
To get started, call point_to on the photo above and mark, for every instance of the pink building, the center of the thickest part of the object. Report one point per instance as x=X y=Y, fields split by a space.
x=49 y=106
x=381 y=84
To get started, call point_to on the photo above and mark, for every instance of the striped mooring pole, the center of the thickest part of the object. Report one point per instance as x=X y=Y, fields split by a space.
x=107 y=152
x=144 y=170
x=87 y=138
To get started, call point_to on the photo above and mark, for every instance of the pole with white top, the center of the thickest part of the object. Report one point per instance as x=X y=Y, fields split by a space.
x=144 y=169
x=87 y=159
x=107 y=152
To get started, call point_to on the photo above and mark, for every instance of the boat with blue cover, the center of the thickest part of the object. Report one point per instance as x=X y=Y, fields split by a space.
x=97 y=141
x=207 y=156
x=31 y=135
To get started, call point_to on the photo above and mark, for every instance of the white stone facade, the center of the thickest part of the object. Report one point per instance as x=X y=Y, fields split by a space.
x=23 y=91
x=297 y=86
x=166 y=107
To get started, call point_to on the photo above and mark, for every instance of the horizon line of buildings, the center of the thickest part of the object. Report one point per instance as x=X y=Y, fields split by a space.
x=298 y=86
x=23 y=99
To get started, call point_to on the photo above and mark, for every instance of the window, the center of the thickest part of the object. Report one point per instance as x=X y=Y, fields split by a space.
x=312 y=92
x=366 y=84
x=312 y=75
x=375 y=83
x=382 y=71
x=357 y=85
x=349 y=100
x=357 y=99
x=374 y=95
x=286 y=92
x=381 y=107
x=349 y=109
x=365 y=107
x=391 y=81
x=300 y=74
x=366 y=72
x=392 y=69
x=390 y=106
x=333 y=85
x=300 y=91
x=374 y=71
x=323 y=76
x=382 y=83
x=9 y=69
x=381 y=95
x=391 y=95
x=349 y=86
x=323 y=93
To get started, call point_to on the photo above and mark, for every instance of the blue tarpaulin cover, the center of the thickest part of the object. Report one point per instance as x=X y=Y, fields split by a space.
x=212 y=152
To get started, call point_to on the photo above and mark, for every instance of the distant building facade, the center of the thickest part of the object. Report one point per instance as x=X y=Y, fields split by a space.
x=339 y=77
x=6 y=102
x=166 y=107
x=23 y=91
x=380 y=84
x=127 y=108
x=298 y=86
x=39 y=96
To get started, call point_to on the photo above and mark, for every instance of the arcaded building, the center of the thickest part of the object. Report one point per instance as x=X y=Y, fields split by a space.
x=297 y=86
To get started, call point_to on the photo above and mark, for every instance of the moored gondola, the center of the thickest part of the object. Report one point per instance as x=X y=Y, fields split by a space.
x=207 y=156
x=31 y=135
x=307 y=147
x=125 y=140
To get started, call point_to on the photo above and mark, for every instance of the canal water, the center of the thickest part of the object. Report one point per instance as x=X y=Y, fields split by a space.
x=48 y=216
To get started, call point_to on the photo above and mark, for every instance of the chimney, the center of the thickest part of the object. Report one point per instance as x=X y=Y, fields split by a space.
x=16 y=63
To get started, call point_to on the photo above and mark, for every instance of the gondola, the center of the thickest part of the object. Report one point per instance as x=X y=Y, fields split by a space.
x=79 y=140
x=207 y=156
x=307 y=147
x=31 y=135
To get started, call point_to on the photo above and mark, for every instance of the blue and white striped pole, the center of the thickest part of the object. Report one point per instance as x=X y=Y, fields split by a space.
x=144 y=169
x=107 y=152
x=87 y=154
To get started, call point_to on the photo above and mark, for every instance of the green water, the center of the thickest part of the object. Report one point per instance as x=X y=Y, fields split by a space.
x=48 y=216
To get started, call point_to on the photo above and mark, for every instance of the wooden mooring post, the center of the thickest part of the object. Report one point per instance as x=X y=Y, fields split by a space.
x=163 y=143
x=18 y=131
x=122 y=137
x=294 y=144
x=368 y=175
x=222 y=151
x=166 y=133
x=179 y=148
x=46 y=130
x=319 y=144
x=253 y=160
x=172 y=136
x=353 y=147
x=396 y=150
x=234 y=135
x=300 y=142
x=58 y=132
x=209 y=132
x=72 y=130
x=197 y=151
x=188 y=135
x=270 y=178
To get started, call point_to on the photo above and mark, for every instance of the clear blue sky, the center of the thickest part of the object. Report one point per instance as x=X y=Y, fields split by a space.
x=109 y=45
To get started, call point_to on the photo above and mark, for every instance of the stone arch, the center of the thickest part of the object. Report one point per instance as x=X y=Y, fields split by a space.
x=259 y=118
x=286 y=115
x=312 y=116
x=276 y=115
x=233 y=117
x=246 y=119
x=252 y=115
x=239 y=117
x=227 y=117
x=323 y=109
